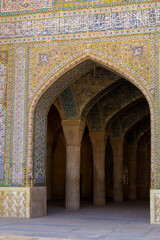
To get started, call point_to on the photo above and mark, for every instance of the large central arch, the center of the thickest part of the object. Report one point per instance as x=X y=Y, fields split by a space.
x=43 y=99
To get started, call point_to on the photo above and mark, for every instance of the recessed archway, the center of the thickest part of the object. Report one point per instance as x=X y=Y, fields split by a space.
x=41 y=108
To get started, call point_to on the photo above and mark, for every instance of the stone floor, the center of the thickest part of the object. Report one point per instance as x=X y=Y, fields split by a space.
x=115 y=221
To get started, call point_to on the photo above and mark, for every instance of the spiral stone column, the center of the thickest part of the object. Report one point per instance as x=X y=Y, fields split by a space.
x=98 y=144
x=73 y=132
x=132 y=165
x=117 y=147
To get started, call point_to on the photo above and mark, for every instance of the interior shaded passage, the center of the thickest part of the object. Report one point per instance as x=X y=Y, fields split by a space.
x=56 y=157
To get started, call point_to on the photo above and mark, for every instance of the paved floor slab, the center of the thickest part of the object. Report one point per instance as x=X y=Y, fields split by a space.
x=115 y=221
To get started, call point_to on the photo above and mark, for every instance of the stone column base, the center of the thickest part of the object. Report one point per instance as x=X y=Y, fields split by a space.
x=23 y=202
x=72 y=205
x=155 y=206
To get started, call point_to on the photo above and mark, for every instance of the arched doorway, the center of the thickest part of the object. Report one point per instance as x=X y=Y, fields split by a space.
x=92 y=105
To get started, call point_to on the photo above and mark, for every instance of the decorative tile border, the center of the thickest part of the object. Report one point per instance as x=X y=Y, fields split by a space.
x=18 y=5
x=17 y=175
x=87 y=25
x=8 y=7
x=3 y=78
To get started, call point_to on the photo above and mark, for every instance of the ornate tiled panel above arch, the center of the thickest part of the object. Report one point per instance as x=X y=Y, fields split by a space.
x=30 y=6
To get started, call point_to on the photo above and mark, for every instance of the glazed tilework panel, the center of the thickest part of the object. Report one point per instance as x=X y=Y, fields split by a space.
x=19 y=117
x=111 y=104
x=135 y=53
x=95 y=118
x=89 y=86
x=46 y=60
x=73 y=4
x=8 y=58
x=14 y=6
x=3 y=76
x=76 y=100
x=68 y=104
x=21 y=5
x=131 y=52
x=86 y=24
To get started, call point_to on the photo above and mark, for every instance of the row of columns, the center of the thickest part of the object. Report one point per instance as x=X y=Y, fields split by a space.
x=73 y=132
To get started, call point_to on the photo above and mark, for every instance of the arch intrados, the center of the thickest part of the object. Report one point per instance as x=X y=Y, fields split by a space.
x=101 y=61
x=122 y=111
x=98 y=96
x=147 y=131
x=145 y=118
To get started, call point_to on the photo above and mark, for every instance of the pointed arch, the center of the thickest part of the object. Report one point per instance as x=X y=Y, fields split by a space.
x=48 y=92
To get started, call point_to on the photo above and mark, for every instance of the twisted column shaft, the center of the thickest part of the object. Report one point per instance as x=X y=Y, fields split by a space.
x=73 y=132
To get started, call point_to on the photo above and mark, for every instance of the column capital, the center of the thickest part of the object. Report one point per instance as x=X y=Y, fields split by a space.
x=73 y=131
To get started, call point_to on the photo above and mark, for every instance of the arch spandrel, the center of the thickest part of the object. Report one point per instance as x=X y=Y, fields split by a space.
x=123 y=55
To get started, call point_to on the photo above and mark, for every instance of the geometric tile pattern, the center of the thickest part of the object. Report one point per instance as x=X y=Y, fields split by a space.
x=47 y=59
x=19 y=5
x=90 y=85
x=84 y=89
x=10 y=6
x=19 y=118
x=68 y=103
x=108 y=22
x=112 y=103
x=3 y=75
x=8 y=103
x=95 y=118
x=130 y=117
x=72 y=4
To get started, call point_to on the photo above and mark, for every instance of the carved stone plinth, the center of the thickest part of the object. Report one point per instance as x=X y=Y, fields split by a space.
x=155 y=206
x=23 y=202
